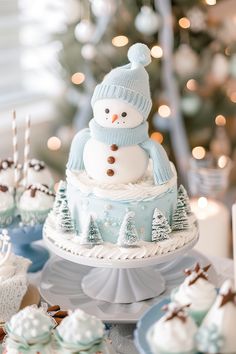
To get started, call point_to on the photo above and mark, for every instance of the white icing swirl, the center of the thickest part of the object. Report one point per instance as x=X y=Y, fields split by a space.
x=41 y=201
x=6 y=201
x=172 y=336
x=144 y=189
x=199 y=295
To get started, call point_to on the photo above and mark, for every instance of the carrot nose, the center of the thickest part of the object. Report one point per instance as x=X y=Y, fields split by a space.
x=114 y=118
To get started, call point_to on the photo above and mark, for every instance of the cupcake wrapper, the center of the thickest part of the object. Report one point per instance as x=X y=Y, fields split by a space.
x=36 y=216
x=6 y=217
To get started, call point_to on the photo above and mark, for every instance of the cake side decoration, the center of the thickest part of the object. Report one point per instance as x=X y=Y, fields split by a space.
x=128 y=235
x=91 y=235
x=160 y=227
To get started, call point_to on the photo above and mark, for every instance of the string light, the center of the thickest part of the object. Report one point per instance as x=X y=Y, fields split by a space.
x=233 y=96
x=164 y=111
x=54 y=143
x=156 y=51
x=220 y=120
x=227 y=51
x=202 y=202
x=78 y=78
x=222 y=161
x=120 y=41
x=191 y=85
x=157 y=136
x=199 y=152
x=184 y=22
x=210 y=2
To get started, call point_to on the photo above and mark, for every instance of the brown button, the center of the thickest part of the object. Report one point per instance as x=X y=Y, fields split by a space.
x=110 y=172
x=111 y=159
x=114 y=147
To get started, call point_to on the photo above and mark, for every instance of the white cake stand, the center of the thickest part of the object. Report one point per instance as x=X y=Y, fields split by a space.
x=121 y=280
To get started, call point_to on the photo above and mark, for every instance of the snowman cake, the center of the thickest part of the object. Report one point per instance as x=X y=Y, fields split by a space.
x=121 y=192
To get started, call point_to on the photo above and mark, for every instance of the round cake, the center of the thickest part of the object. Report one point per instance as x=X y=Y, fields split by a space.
x=121 y=193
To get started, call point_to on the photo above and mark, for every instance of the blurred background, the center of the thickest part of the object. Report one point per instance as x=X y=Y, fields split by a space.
x=54 y=52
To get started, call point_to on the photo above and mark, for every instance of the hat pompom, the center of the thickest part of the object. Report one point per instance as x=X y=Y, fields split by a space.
x=139 y=53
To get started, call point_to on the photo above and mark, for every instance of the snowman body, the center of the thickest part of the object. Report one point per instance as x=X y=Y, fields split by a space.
x=114 y=164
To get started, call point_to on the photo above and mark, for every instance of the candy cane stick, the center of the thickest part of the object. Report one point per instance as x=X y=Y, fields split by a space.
x=26 y=150
x=15 y=148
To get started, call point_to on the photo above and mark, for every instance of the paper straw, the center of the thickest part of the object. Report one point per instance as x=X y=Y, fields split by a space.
x=26 y=150
x=15 y=148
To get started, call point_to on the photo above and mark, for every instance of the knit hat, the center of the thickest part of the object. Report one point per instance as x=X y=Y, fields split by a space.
x=129 y=82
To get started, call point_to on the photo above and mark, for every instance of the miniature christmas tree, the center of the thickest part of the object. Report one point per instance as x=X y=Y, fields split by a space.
x=183 y=196
x=64 y=219
x=60 y=196
x=180 y=219
x=128 y=236
x=91 y=235
x=160 y=226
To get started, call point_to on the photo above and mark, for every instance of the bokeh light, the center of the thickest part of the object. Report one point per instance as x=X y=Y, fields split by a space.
x=164 y=111
x=220 y=120
x=120 y=41
x=199 y=152
x=54 y=143
x=157 y=136
x=156 y=51
x=191 y=85
x=78 y=78
x=202 y=202
x=184 y=22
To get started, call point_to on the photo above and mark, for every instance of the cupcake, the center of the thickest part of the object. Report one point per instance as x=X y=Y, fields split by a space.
x=38 y=173
x=217 y=333
x=79 y=333
x=29 y=331
x=7 y=172
x=35 y=203
x=7 y=206
x=13 y=278
x=196 y=291
x=174 y=333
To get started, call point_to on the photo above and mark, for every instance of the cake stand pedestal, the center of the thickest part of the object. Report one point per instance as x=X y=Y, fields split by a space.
x=23 y=240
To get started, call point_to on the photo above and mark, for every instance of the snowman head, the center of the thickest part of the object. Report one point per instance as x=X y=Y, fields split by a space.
x=115 y=113
x=125 y=90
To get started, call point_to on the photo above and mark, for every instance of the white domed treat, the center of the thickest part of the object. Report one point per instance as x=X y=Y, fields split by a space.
x=29 y=331
x=7 y=172
x=174 y=333
x=7 y=206
x=80 y=332
x=196 y=291
x=217 y=332
x=38 y=173
x=13 y=278
x=35 y=204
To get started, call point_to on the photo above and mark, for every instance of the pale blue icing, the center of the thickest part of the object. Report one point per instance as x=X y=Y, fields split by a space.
x=110 y=213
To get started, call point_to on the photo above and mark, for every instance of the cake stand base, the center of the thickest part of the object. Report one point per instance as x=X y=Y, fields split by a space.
x=123 y=285
x=61 y=284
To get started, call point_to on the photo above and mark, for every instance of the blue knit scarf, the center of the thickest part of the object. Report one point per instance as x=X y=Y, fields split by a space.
x=122 y=137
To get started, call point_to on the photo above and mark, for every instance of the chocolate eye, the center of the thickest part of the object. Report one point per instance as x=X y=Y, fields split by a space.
x=124 y=114
x=107 y=110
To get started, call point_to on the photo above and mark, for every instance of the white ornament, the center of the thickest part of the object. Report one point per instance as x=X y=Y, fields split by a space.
x=72 y=10
x=147 y=21
x=190 y=104
x=197 y=19
x=115 y=113
x=220 y=68
x=186 y=61
x=84 y=31
x=103 y=7
x=88 y=51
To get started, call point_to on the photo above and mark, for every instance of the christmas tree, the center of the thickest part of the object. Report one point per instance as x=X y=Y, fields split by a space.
x=64 y=219
x=91 y=235
x=128 y=236
x=180 y=219
x=183 y=196
x=197 y=49
x=160 y=227
x=60 y=196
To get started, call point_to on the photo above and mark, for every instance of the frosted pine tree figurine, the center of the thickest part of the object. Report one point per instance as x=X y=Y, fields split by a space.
x=180 y=219
x=91 y=235
x=117 y=137
x=60 y=196
x=160 y=227
x=64 y=219
x=183 y=196
x=128 y=235
x=5 y=247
